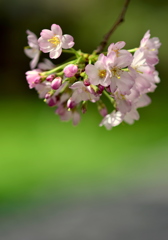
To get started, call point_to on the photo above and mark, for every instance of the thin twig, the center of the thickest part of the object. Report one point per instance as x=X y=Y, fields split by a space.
x=116 y=24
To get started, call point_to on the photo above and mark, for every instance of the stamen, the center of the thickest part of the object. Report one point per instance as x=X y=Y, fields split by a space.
x=54 y=40
x=115 y=72
x=102 y=73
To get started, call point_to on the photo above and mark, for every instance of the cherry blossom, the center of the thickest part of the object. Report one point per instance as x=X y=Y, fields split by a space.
x=122 y=77
x=98 y=73
x=32 y=52
x=53 y=41
x=33 y=77
x=119 y=79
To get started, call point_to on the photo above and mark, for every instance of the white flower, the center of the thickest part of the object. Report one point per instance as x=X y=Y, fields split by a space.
x=112 y=120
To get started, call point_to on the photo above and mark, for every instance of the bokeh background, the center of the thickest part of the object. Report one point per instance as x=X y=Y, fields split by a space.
x=56 y=180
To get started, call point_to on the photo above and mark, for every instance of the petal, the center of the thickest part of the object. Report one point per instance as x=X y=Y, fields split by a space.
x=92 y=73
x=116 y=118
x=44 y=45
x=120 y=44
x=32 y=39
x=46 y=34
x=106 y=122
x=77 y=85
x=56 y=29
x=113 y=86
x=76 y=118
x=145 y=39
x=125 y=83
x=55 y=53
x=142 y=84
x=123 y=106
x=46 y=65
x=144 y=100
x=30 y=52
x=124 y=59
x=35 y=60
x=67 y=41
x=131 y=116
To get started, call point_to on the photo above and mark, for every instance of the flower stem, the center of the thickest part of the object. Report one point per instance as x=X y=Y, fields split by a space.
x=58 y=68
x=133 y=50
x=116 y=24
x=108 y=96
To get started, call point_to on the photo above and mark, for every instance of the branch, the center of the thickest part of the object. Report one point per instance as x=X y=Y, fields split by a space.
x=116 y=24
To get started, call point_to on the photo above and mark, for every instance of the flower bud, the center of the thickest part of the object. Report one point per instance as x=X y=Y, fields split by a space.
x=86 y=82
x=103 y=112
x=70 y=70
x=71 y=104
x=50 y=78
x=100 y=89
x=48 y=95
x=56 y=83
x=37 y=80
x=108 y=89
x=51 y=102
x=84 y=107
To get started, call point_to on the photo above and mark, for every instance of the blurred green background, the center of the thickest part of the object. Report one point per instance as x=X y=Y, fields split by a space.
x=43 y=158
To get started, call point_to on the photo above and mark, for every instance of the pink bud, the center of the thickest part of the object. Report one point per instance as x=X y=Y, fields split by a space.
x=103 y=112
x=86 y=82
x=50 y=77
x=71 y=103
x=51 y=102
x=37 y=80
x=101 y=88
x=108 y=89
x=84 y=108
x=48 y=95
x=70 y=70
x=56 y=83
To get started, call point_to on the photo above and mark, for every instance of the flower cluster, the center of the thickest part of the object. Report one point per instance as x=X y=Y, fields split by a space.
x=123 y=76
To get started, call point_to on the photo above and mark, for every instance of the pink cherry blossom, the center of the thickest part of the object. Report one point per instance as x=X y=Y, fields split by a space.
x=132 y=115
x=82 y=93
x=120 y=53
x=32 y=77
x=43 y=88
x=98 y=73
x=32 y=52
x=115 y=47
x=66 y=115
x=150 y=48
x=119 y=79
x=122 y=103
x=145 y=74
x=53 y=41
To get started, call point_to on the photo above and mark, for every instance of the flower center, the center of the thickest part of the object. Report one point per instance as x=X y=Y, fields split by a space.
x=102 y=73
x=115 y=72
x=54 y=40
x=116 y=51
x=120 y=96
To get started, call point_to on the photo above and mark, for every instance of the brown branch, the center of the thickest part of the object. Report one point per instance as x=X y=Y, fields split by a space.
x=116 y=24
